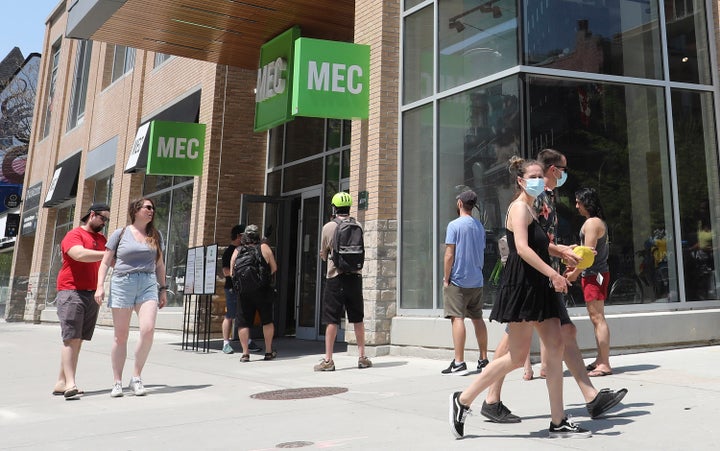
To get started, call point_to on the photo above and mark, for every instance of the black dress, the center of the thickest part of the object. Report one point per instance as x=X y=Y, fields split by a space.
x=525 y=293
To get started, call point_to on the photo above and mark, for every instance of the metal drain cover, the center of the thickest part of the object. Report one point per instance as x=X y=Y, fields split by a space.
x=297 y=444
x=299 y=393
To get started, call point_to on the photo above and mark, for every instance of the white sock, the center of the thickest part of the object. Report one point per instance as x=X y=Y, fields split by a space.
x=225 y=342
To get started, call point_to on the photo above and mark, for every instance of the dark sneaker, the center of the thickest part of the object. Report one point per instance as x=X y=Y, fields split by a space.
x=227 y=349
x=364 y=362
x=253 y=347
x=270 y=355
x=482 y=364
x=568 y=429
x=325 y=365
x=605 y=400
x=459 y=370
x=498 y=413
x=458 y=413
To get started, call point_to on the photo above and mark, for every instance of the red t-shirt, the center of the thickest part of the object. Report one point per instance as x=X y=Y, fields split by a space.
x=75 y=275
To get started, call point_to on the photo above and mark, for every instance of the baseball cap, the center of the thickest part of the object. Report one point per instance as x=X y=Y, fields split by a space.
x=252 y=232
x=96 y=207
x=468 y=198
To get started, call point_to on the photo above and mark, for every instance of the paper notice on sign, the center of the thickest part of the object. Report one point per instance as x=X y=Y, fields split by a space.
x=190 y=272
x=210 y=269
x=137 y=146
x=199 y=269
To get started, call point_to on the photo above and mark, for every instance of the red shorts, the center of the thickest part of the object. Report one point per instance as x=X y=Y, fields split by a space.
x=594 y=291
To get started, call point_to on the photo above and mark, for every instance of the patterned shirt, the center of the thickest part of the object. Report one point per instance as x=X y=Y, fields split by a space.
x=547 y=217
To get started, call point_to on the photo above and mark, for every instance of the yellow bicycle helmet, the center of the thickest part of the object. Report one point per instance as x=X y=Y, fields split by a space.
x=342 y=199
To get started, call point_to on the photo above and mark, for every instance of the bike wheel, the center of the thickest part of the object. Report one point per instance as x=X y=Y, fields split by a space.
x=625 y=290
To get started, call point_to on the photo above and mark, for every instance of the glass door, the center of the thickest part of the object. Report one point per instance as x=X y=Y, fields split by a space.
x=308 y=291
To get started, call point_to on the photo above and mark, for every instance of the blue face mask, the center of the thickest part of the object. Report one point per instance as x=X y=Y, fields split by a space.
x=534 y=187
x=562 y=179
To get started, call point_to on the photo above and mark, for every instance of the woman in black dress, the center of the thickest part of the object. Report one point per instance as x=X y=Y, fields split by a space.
x=526 y=301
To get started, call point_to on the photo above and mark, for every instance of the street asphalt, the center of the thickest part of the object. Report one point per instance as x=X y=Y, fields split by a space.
x=212 y=401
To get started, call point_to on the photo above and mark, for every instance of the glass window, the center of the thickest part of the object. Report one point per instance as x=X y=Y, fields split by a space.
x=696 y=155
x=616 y=37
x=334 y=134
x=332 y=181
x=479 y=130
x=304 y=138
x=51 y=88
x=410 y=3
x=303 y=175
x=614 y=138
x=418 y=56
x=688 y=46
x=63 y=224
x=475 y=40
x=345 y=164
x=79 y=87
x=103 y=190
x=275 y=146
x=123 y=61
x=347 y=133
x=416 y=278
x=274 y=180
x=161 y=58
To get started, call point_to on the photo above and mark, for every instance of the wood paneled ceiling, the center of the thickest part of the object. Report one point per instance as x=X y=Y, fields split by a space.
x=223 y=31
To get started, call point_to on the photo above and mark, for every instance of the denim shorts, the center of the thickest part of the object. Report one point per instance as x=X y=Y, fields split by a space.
x=129 y=290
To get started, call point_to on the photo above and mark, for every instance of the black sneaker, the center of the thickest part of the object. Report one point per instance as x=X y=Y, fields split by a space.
x=458 y=413
x=482 y=364
x=270 y=355
x=605 y=400
x=459 y=370
x=252 y=347
x=568 y=429
x=498 y=413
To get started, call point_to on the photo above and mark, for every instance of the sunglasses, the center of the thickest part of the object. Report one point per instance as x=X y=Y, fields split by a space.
x=103 y=218
x=148 y=207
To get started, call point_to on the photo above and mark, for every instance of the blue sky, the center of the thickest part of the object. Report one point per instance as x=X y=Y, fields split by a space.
x=23 y=25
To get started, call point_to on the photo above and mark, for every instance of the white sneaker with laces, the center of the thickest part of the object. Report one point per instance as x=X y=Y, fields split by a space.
x=137 y=387
x=117 y=390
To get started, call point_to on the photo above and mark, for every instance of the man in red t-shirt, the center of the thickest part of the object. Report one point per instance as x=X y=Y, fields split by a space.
x=82 y=249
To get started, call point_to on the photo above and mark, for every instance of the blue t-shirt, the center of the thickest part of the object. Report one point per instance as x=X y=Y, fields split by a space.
x=468 y=236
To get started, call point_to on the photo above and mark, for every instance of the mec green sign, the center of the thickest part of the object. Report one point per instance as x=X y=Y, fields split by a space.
x=176 y=148
x=274 y=81
x=331 y=79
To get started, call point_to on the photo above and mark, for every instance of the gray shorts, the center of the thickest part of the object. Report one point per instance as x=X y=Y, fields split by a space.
x=77 y=312
x=462 y=302
x=129 y=290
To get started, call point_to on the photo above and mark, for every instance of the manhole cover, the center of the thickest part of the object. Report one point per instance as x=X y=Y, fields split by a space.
x=298 y=444
x=299 y=393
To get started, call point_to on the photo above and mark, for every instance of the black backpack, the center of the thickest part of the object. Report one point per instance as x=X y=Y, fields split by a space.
x=250 y=272
x=348 y=253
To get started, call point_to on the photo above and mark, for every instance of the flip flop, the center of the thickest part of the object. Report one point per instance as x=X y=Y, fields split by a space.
x=599 y=373
x=62 y=392
x=591 y=367
x=71 y=392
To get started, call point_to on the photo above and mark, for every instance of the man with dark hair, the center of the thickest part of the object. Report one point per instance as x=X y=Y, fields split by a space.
x=82 y=250
x=463 y=281
x=231 y=300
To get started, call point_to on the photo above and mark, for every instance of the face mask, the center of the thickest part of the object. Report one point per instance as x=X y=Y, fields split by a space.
x=562 y=179
x=534 y=187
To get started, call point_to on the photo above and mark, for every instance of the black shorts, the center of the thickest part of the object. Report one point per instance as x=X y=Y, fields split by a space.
x=260 y=301
x=343 y=293
x=77 y=312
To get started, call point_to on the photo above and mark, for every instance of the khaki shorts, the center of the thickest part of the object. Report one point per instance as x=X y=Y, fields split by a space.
x=462 y=302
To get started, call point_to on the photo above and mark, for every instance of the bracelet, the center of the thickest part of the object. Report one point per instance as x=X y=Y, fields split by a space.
x=163 y=288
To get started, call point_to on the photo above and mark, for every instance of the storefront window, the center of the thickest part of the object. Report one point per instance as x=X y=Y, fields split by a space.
x=418 y=56
x=615 y=37
x=304 y=138
x=417 y=201
x=303 y=175
x=475 y=39
x=688 y=45
x=699 y=193
x=479 y=130
x=63 y=224
x=614 y=138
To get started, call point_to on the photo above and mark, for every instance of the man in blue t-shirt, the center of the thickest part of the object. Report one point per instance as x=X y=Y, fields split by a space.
x=463 y=281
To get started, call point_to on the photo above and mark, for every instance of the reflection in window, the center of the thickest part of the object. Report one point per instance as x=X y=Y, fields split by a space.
x=418 y=56
x=688 y=46
x=51 y=88
x=416 y=278
x=614 y=139
x=303 y=138
x=479 y=130
x=123 y=61
x=615 y=37
x=80 y=80
x=475 y=40
x=696 y=156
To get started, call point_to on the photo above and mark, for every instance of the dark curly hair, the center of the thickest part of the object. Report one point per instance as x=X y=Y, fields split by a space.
x=589 y=198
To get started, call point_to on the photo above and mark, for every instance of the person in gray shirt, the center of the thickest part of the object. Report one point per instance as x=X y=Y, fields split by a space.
x=137 y=284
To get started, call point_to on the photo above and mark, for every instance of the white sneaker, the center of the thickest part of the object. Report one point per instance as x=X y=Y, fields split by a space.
x=137 y=387
x=117 y=391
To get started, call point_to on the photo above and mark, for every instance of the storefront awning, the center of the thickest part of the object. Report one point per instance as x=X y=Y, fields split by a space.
x=64 y=182
x=186 y=110
x=223 y=32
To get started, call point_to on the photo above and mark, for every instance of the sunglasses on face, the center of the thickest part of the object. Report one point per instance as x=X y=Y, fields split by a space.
x=103 y=218
x=148 y=207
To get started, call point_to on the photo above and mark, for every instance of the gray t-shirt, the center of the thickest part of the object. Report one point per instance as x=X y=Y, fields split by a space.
x=132 y=256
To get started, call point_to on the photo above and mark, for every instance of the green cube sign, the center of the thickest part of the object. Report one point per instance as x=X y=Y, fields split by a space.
x=331 y=79
x=176 y=148
x=274 y=81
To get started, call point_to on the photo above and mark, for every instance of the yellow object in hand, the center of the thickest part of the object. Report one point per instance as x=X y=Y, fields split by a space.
x=587 y=256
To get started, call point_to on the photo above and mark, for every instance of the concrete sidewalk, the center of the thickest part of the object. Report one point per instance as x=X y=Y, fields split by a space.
x=204 y=401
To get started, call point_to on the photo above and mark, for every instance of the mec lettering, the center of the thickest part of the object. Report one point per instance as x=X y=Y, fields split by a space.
x=182 y=148
x=331 y=77
x=270 y=81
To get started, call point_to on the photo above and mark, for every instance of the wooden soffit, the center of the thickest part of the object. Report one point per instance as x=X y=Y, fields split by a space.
x=222 y=31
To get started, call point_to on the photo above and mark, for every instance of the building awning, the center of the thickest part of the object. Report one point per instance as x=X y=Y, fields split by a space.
x=64 y=182
x=222 y=32
x=186 y=110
